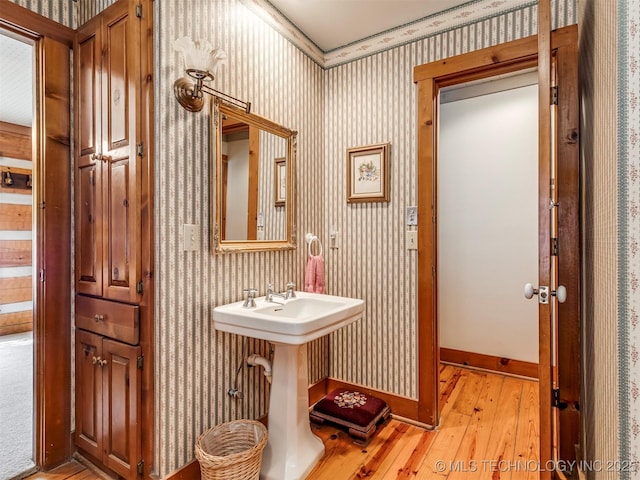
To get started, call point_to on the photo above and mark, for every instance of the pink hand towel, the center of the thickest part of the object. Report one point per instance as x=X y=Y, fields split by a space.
x=310 y=275
x=319 y=274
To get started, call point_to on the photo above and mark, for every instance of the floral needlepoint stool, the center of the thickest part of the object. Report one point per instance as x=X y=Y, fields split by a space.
x=357 y=411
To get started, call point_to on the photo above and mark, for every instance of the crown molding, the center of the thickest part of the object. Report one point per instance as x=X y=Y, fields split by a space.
x=471 y=12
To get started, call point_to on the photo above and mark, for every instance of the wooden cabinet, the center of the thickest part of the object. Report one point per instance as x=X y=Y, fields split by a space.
x=112 y=220
x=108 y=402
x=107 y=170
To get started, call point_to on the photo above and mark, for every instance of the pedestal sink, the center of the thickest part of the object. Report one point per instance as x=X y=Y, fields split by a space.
x=292 y=450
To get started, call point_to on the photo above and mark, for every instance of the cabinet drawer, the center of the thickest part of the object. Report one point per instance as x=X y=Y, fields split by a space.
x=111 y=319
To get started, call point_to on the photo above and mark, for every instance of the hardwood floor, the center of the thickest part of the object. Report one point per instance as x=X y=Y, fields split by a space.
x=489 y=430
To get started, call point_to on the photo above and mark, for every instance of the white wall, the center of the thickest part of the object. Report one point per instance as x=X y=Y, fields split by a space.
x=487 y=224
x=237 y=189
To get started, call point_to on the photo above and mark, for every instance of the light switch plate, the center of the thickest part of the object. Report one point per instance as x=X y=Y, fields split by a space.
x=412 y=239
x=412 y=216
x=191 y=237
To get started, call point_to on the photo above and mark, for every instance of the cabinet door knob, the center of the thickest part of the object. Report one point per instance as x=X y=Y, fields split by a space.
x=103 y=363
x=95 y=360
x=105 y=158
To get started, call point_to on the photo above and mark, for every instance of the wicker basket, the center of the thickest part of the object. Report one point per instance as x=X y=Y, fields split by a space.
x=232 y=450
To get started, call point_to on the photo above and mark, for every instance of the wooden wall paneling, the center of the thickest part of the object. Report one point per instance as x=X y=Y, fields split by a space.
x=52 y=328
x=15 y=141
x=15 y=253
x=15 y=217
x=16 y=289
x=17 y=322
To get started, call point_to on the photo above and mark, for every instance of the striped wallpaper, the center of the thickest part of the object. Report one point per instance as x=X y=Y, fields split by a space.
x=61 y=11
x=196 y=365
x=598 y=72
x=370 y=100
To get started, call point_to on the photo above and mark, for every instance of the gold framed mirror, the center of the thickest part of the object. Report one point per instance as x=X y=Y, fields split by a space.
x=254 y=191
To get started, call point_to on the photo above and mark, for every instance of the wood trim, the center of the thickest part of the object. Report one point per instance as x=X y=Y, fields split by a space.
x=317 y=391
x=33 y=24
x=428 y=353
x=489 y=362
x=147 y=324
x=403 y=406
x=569 y=244
x=429 y=78
x=52 y=243
x=190 y=471
x=545 y=231
x=252 y=200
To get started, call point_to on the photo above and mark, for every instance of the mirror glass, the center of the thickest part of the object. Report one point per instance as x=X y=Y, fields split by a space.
x=254 y=191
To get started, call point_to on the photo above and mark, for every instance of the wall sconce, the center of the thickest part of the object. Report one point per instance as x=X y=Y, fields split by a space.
x=201 y=62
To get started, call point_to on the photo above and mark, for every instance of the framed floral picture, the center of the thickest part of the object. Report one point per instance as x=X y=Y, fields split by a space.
x=280 y=186
x=368 y=173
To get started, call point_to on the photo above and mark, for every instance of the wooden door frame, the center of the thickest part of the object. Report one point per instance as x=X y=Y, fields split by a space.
x=52 y=231
x=504 y=58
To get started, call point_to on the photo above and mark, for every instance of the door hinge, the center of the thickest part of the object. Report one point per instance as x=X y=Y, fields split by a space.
x=555 y=246
x=140 y=467
x=41 y=205
x=555 y=400
x=139 y=11
x=140 y=362
x=554 y=95
x=42 y=276
x=139 y=289
x=140 y=149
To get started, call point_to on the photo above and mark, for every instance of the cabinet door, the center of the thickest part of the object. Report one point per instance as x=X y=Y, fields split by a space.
x=89 y=393
x=120 y=189
x=88 y=174
x=121 y=408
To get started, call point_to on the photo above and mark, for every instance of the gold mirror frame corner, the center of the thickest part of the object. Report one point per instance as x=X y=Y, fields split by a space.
x=218 y=245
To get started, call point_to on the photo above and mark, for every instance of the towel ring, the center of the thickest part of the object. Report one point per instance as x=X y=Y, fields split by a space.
x=310 y=240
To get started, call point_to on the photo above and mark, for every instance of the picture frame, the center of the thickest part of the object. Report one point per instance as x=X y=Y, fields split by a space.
x=368 y=173
x=280 y=182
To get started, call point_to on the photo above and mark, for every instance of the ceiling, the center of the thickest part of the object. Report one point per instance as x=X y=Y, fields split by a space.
x=331 y=24
x=16 y=85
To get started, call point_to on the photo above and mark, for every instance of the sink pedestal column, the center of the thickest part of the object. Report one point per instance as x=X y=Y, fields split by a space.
x=292 y=450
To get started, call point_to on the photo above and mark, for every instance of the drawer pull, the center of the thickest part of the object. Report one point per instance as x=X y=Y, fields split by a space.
x=98 y=318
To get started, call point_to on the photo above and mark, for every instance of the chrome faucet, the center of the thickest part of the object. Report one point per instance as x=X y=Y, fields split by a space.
x=250 y=302
x=290 y=293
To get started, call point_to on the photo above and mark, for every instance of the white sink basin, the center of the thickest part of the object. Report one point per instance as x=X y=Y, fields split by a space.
x=295 y=321
x=292 y=449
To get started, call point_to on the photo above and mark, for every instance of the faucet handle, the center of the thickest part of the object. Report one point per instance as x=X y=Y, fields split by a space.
x=291 y=287
x=250 y=302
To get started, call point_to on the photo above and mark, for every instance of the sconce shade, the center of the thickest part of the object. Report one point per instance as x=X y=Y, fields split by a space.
x=200 y=55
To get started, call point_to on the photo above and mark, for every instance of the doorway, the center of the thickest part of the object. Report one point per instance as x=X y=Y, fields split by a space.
x=558 y=233
x=16 y=259
x=51 y=228
x=488 y=223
